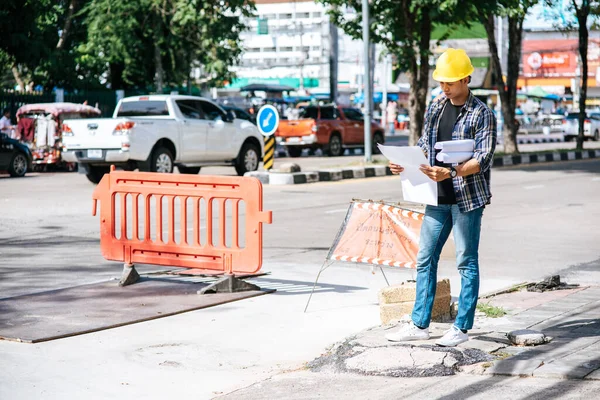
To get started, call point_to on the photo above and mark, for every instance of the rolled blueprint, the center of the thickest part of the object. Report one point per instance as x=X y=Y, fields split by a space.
x=456 y=146
x=454 y=158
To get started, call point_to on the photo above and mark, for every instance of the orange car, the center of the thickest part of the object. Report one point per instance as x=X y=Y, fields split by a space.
x=329 y=128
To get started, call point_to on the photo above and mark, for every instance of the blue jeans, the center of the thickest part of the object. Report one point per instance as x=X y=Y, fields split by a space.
x=437 y=224
x=392 y=128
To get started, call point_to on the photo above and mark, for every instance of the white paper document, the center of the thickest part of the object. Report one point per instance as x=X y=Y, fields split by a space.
x=416 y=186
x=456 y=146
x=453 y=158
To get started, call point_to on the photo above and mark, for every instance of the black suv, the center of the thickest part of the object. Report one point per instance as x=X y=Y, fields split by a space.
x=15 y=157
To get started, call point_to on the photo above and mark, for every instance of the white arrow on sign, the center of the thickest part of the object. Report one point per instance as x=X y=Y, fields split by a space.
x=266 y=121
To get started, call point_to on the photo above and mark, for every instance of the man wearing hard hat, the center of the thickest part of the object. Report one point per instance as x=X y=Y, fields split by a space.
x=463 y=192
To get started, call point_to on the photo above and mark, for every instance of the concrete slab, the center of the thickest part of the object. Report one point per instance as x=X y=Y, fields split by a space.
x=382 y=360
x=515 y=366
x=569 y=367
x=90 y=308
x=595 y=376
x=483 y=345
x=304 y=385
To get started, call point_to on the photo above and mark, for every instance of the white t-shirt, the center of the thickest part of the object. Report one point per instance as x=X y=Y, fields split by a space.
x=5 y=125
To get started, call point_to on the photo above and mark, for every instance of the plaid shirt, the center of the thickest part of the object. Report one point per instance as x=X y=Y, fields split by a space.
x=475 y=121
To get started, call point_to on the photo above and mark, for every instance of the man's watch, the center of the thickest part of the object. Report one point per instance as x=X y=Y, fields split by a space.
x=453 y=172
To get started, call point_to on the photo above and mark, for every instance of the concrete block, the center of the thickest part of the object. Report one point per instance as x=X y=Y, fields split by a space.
x=571 y=155
x=380 y=170
x=525 y=159
x=311 y=177
x=262 y=176
x=527 y=337
x=395 y=311
x=289 y=168
x=281 y=179
x=358 y=172
x=507 y=160
x=407 y=291
x=330 y=175
x=556 y=156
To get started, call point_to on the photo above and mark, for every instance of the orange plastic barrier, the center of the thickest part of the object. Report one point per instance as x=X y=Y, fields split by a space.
x=191 y=221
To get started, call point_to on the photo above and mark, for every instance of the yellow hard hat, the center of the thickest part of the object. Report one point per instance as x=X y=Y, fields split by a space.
x=453 y=65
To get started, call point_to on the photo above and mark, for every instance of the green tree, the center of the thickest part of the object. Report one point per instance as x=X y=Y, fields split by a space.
x=142 y=42
x=404 y=27
x=514 y=11
x=584 y=11
x=40 y=40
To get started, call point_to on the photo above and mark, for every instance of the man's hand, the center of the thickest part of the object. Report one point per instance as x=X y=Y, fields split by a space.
x=437 y=174
x=396 y=169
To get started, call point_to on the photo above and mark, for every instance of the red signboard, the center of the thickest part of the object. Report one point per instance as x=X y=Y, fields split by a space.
x=556 y=58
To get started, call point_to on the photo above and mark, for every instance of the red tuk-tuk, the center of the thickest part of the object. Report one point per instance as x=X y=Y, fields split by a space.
x=40 y=127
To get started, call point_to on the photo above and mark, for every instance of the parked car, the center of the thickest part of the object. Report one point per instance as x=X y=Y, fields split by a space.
x=330 y=128
x=591 y=126
x=40 y=125
x=158 y=132
x=239 y=113
x=15 y=157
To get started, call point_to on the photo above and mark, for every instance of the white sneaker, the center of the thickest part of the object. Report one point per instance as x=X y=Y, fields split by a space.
x=408 y=332
x=452 y=338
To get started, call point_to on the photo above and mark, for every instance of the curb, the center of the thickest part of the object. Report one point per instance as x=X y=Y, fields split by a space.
x=325 y=175
x=545 y=157
x=332 y=175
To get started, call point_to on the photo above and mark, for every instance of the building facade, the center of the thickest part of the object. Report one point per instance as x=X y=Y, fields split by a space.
x=289 y=43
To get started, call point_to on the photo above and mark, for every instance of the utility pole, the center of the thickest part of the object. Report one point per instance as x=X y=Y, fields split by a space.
x=366 y=80
x=333 y=62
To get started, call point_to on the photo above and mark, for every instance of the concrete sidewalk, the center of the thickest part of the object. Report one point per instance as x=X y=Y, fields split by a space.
x=488 y=366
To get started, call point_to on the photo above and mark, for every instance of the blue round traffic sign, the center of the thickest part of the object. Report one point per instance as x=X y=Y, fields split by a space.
x=267 y=120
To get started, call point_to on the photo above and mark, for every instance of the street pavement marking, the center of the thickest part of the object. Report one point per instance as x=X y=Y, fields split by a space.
x=533 y=187
x=596 y=179
x=336 y=211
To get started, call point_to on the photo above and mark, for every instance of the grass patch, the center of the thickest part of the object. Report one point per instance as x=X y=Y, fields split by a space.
x=490 y=310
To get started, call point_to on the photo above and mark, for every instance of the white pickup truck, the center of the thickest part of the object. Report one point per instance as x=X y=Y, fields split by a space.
x=158 y=132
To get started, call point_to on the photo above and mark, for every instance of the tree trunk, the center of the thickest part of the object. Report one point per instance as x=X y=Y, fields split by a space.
x=508 y=92
x=419 y=81
x=116 y=76
x=582 y=15
x=67 y=26
x=17 y=76
x=159 y=74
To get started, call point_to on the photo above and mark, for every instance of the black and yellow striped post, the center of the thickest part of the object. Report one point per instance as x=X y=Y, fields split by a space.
x=269 y=157
x=267 y=121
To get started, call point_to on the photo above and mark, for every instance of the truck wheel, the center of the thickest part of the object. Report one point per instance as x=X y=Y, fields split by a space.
x=335 y=146
x=95 y=174
x=18 y=165
x=161 y=161
x=294 y=151
x=248 y=159
x=377 y=138
x=188 y=170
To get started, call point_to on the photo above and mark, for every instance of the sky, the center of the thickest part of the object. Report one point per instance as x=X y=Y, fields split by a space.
x=542 y=17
